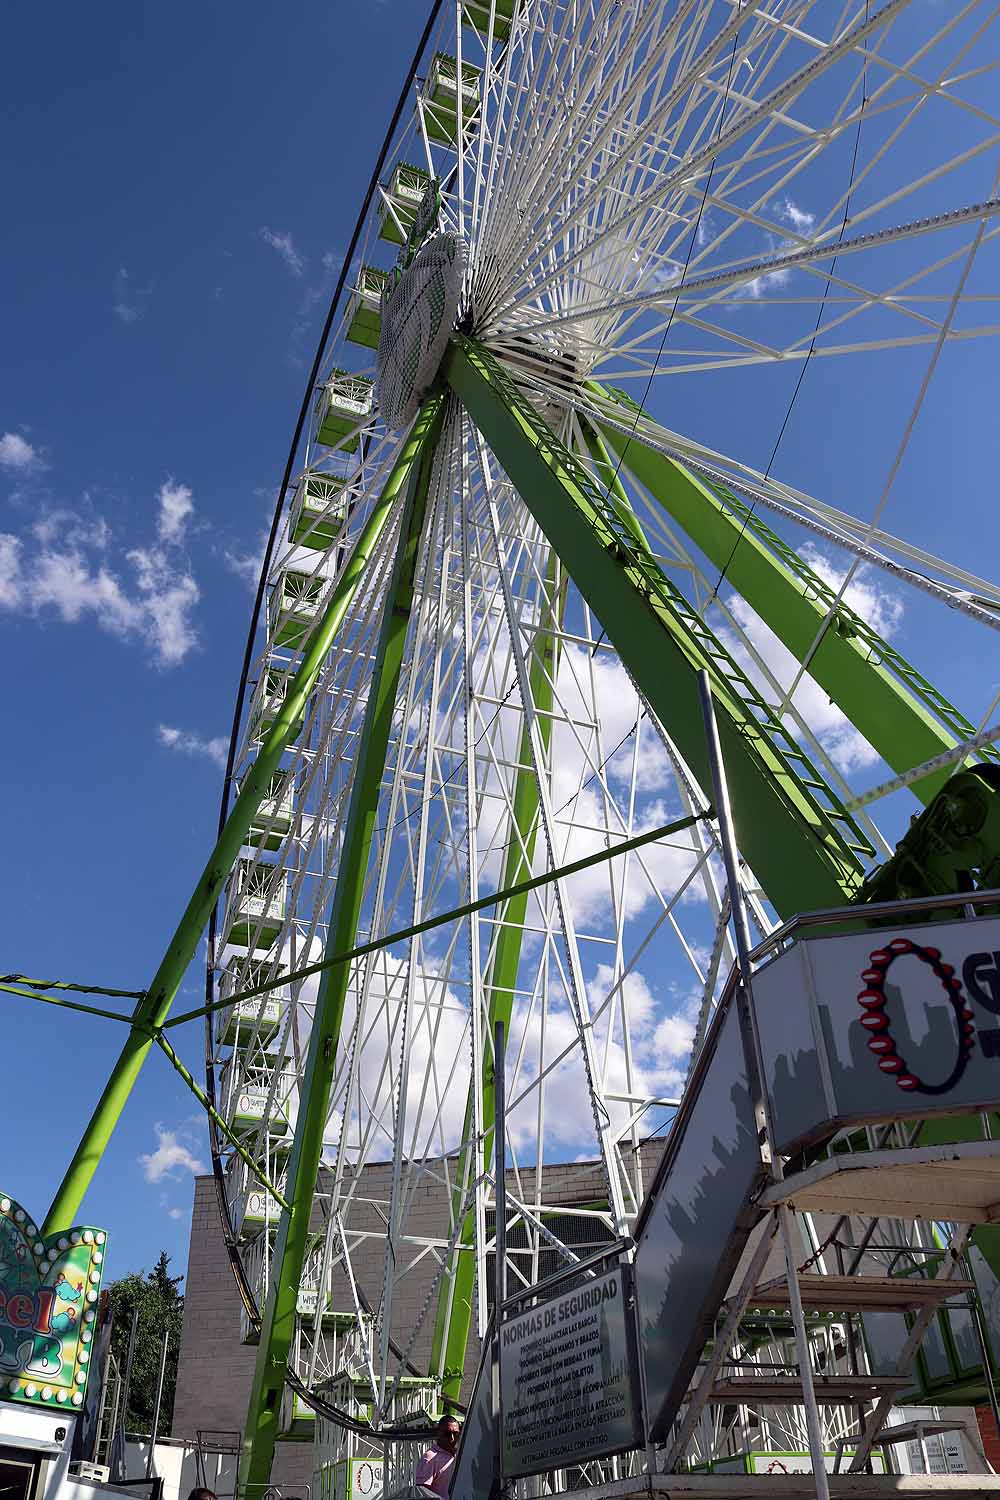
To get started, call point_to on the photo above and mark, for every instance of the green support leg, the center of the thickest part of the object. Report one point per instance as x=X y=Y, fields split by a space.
x=454 y=1310
x=802 y=845
x=152 y=1011
x=607 y=473
x=897 y=710
x=278 y=1325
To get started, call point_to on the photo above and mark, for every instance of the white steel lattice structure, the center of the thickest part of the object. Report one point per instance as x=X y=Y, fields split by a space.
x=654 y=197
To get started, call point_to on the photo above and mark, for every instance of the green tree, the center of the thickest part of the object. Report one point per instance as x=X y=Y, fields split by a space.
x=161 y=1309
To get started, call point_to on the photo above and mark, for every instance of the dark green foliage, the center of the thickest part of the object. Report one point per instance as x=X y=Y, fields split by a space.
x=161 y=1309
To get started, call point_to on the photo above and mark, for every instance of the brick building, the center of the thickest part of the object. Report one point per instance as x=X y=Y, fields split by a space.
x=215 y=1368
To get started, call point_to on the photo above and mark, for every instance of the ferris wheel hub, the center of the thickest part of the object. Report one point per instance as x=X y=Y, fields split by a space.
x=418 y=315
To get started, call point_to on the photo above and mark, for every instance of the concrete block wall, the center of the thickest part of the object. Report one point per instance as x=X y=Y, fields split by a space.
x=215 y=1370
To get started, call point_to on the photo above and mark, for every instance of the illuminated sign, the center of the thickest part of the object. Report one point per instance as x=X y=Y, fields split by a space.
x=49 y=1292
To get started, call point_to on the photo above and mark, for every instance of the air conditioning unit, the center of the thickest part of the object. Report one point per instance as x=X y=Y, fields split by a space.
x=99 y=1473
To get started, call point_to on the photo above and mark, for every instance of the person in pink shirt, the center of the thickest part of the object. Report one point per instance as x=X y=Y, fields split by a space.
x=434 y=1470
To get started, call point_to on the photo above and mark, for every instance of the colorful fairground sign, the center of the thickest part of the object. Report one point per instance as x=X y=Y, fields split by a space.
x=49 y=1291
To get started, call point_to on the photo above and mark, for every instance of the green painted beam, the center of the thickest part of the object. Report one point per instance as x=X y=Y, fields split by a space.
x=153 y=1009
x=453 y=1318
x=221 y=1125
x=291 y=1244
x=852 y=663
x=607 y=473
x=803 y=846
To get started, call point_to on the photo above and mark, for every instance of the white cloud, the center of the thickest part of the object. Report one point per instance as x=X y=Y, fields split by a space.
x=68 y=571
x=757 y=286
x=16 y=453
x=799 y=219
x=175 y=1213
x=175 y=508
x=186 y=743
x=282 y=243
x=171 y=1157
x=167 y=598
x=660 y=1030
x=10 y=570
x=128 y=305
x=247 y=565
x=72 y=530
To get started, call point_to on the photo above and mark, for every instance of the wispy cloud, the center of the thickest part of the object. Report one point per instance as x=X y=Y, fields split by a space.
x=171 y=1157
x=284 y=246
x=10 y=568
x=247 y=565
x=307 y=319
x=171 y=1213
x=68 y=565
x=184 y=742
x=71 y=529
x=17 y=454
x=176 y=506
x=800 y=221
x=129 y=303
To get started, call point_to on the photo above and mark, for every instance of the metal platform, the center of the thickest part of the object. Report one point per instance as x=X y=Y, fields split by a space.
x=860 y=1293
x=957 y=1182
x=786 y=1390
x=795 y=1486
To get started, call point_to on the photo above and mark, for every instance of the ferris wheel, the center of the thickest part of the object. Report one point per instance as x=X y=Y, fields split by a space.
x=498 y=569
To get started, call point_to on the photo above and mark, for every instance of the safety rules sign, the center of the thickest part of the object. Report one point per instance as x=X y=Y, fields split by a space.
x=567 y=1386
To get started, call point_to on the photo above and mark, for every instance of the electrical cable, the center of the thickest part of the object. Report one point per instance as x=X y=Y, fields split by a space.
x=897 y=461
x=65 y=984
x=812 y=344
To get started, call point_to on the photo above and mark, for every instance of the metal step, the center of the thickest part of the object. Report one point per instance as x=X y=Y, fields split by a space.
x=859 y=1293
x=786 y=1390
x=958 y=1182
x=911 y=1432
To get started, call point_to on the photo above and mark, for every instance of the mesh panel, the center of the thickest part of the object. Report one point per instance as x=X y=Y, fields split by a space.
x=417 y=319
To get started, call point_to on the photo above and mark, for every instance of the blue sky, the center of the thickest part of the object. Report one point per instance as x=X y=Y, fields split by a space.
x=179 y=184
x=176 y=183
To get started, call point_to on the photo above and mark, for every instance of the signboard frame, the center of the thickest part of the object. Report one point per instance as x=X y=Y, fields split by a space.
x=862 y=1027
x=620 y=1273
x=49 y=1294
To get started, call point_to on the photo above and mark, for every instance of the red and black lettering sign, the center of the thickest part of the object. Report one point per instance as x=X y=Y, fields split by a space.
x=873 y=1001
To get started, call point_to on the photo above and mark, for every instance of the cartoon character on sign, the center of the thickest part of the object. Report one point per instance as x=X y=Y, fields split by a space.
x=873 y=1001
x=64 y=1322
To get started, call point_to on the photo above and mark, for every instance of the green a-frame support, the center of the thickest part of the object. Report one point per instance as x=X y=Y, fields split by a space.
x=803 y=845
